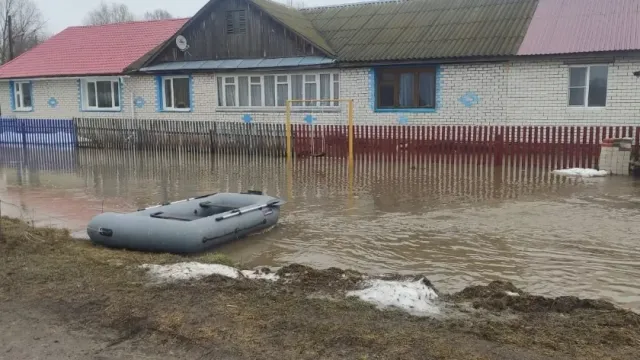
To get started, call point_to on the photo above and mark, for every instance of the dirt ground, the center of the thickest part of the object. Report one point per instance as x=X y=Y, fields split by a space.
x=62 y=298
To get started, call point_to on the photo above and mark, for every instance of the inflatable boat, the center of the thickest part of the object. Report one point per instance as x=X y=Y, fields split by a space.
x=187 y=226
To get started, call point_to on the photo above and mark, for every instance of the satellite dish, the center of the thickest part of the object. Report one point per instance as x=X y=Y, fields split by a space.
x=181 y=43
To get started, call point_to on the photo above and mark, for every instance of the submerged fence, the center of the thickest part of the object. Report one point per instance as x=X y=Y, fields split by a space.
x=24 y=132
x=188 y=135
x=567 y=146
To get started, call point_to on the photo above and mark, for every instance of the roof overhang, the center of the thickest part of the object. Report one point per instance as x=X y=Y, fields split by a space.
x=62 y=77
x=240 y=64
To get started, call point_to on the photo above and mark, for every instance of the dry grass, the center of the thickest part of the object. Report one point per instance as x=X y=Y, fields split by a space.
x=99 y=287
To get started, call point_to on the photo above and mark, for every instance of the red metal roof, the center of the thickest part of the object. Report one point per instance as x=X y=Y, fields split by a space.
x=91 y=50
x=577 y=26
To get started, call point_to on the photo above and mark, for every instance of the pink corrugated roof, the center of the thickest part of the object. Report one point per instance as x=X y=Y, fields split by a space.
x=575 y=26
x=91 y=50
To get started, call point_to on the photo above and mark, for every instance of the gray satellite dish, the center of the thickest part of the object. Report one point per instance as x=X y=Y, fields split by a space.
x=181 y=43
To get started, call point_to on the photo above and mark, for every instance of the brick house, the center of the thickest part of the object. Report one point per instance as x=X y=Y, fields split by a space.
x=416 y=61
x=80 y=70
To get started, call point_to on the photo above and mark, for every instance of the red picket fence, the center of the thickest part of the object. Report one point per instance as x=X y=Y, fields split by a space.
x=568 y=146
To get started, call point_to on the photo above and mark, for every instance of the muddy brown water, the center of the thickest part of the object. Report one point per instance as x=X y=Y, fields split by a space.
x=458 y=224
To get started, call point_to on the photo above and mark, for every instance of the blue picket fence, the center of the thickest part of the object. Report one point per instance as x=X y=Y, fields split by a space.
x=38 y=132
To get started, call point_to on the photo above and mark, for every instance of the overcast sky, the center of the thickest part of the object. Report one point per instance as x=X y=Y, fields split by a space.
x=60 y=14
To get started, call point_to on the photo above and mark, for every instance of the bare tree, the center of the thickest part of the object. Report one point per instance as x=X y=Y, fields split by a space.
x=157 y=14
x=109 y=14
x=27 y=27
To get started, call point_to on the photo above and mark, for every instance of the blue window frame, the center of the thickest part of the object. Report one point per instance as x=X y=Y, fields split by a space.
x=21 y=95
x=175 y=93
x=406 y=89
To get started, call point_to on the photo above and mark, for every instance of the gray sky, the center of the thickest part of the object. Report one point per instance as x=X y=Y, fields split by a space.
x=60 y=14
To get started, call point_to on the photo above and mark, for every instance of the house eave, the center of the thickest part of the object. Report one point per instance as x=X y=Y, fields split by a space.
x=565 y=57
x=61 y=77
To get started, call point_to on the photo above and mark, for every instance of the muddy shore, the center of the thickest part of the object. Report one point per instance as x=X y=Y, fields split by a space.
x=67 y=299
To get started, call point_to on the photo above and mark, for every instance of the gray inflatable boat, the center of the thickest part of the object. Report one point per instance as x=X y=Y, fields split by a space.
x=187 y=226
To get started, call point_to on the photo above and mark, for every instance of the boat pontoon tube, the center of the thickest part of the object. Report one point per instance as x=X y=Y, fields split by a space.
x=187 y=226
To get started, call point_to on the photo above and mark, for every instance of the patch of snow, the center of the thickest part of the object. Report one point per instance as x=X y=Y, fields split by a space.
x=580 y=172
x=196 y=270
x=190 y=270
x=511 y=293
x=415 y=297
x=260 y=275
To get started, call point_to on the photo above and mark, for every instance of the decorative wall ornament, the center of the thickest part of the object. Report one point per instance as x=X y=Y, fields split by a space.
x=309 y=119
x=53 y=102
x=139 y=102
x=469 y=99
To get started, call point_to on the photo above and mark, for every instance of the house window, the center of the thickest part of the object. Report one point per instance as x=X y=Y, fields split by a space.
x=236 y=22
x=22 y=96
x=273 y=90
x=588 y=85
x=176 y=93
x=101 y=95
x=406 y=88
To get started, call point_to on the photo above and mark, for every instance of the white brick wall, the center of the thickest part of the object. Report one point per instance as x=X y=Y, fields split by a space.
x=518 y=93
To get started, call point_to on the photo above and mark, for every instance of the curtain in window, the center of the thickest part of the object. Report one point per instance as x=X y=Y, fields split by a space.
x=426 y=89
x=296 y=89
x=325 y=89
x=104 y=94
x=269 y=90
x=168 y=93
x=256 y=91
x=406 y=89
x=219 y=82
x=336 y=88
x=283 y=90
x=91 y=94
x=577 y=85
x=230 y=94
x=181 y=93
x=26 y=94
x=310 y=89
x=243 y=91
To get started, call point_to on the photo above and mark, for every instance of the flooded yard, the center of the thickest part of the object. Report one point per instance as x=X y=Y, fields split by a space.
x=458 y=224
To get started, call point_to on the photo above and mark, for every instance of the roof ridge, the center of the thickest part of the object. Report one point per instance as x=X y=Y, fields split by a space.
x=127 y=22
x=368 y=2
x=364 y=2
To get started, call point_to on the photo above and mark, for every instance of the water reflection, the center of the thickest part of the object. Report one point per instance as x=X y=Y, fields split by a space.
x=455 y=222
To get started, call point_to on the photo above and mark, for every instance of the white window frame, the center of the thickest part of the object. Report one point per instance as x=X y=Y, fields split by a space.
x=586 y=87
x=18 y=96
x=84 y=83
x=331 y=103
x=173 y=93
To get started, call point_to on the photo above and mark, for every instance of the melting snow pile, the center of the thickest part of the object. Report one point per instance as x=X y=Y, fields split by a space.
x=196 y=270
x=580 y=172
x=257 y=274
x=415 y=297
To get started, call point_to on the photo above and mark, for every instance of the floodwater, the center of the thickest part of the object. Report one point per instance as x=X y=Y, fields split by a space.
x=458 y=224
